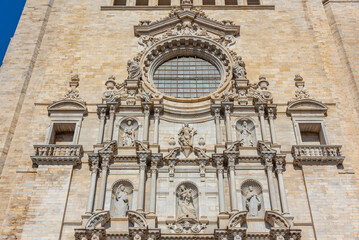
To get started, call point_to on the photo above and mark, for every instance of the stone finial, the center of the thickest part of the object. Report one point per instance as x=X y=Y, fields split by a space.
x=263 y=83
x=72 y=91
x=301 y=92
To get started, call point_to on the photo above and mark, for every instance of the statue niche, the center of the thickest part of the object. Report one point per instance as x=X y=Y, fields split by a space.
x=128 y=132
x=121 y=198
x=252 y=198
x=246 y=132
x=187 y=201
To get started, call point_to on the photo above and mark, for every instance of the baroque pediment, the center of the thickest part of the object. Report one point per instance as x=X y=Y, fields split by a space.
x=305 y=106
x=184 y=21
x=67 y=105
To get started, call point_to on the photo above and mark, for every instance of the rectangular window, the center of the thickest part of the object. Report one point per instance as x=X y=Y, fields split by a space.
x=164 y=2
x=209 y=2
x=231 y=2
x=63 y=133
x=311 y=134
x=253 y=2
x=141 y=2
x=120 y=3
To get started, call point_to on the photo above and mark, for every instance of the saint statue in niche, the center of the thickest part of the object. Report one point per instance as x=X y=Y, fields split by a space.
x=239 y=69
x=121 y=202
x=185 y=208
x=253 y=202
x=246 y=135
x=128 y=134
x=185 y=135
x=134 y=70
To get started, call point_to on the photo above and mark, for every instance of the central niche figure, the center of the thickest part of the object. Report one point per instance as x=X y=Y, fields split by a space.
x=185 y=208
x=129 y=134
x=185 y=136
x=246 y=135
x=121 y=203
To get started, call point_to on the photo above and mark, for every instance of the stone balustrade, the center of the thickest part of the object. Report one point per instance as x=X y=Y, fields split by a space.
x=317 y=154
x=53 y=154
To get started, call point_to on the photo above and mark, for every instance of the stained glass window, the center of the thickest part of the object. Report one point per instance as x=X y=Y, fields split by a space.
x=187 y=77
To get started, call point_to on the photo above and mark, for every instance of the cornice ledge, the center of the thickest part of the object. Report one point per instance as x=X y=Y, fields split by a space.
x=166 y=8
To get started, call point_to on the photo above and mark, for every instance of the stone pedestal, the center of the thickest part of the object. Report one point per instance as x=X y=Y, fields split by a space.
x=256 y=224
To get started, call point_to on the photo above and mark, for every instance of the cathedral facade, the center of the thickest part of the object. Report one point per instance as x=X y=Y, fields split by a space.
x=159 y=119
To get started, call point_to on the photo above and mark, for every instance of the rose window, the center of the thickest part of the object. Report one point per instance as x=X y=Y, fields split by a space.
x=187 y=77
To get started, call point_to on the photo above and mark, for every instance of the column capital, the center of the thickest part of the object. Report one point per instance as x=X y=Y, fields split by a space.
x=219 y=160
x=261 y=109
x=156 y=113
x=112 y=106
x=146 y=109
x=101 y=110
x=279 y=162
x=272 y=110
x=94 y=162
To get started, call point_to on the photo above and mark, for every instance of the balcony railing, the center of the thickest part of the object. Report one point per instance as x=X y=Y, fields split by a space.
x=53 y=154
x=317 y=154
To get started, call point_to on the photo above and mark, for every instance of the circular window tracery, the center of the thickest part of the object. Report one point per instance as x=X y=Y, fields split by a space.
x=186 y=77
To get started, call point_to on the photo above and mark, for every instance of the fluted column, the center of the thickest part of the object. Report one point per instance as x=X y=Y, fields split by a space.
x=154 y=170
x=271 y=112
x=111 y=122
x=157 y=119
x=269 y=169
x=220 y=169
x=105 y=167
x=233 y=189
x=146 y=123
x=94 y=162
x=217 y=117
x=102 y=113
x=279 y=169
x=227 y=113
x=141 y=189
x=262 y=123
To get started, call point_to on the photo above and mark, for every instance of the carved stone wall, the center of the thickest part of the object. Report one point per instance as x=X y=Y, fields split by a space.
x=56 y=195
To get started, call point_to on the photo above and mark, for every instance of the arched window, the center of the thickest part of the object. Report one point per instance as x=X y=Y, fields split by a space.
x=120 y=3
x=187 y=77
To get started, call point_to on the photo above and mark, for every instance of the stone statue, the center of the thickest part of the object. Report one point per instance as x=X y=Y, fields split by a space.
x=185 y=208
x=253 y=202
x=121 y=202
x=185 y=135
x=134 y=70
x=246 y=135
x=129 y=135
x=239 y=69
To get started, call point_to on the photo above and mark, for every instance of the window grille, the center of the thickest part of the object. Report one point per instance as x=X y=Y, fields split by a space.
x=187 y=77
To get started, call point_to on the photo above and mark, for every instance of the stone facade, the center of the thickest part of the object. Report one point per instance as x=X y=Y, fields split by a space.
x=90 y=149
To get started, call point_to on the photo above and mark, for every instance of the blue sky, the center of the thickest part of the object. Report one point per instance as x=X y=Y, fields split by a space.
x=10 y=12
